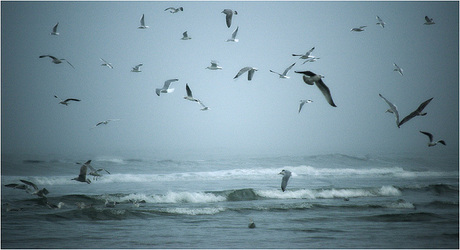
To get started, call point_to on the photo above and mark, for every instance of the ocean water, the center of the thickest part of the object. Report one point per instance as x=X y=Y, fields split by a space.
x=331 y=201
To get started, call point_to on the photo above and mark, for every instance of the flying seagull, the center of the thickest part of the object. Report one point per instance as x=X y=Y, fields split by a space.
x=214 y=66
x=105 y=63
x=82 y=176
x=56 y=61
x=359 y=29
x=166 y=88
x=174 y=10
x=142 y=26
x=185 y=36
x=431 y=143
x=228 y=16
x=286 y=174
x=105 y=122
x=380 y=22
x=65 y=102
x=284 y=75
x=55 y=30
x=393 y=109
x=191 y=98
x=234 y=39
x=311 y=59
x=310 y=78
x=18 y=186
x=302 y=102
x=398 y=69
x=428 y=21
x=94 y=172
x=306 y=55
x=417 y=112
x=137 y=68
x=38 y=192
x=250 y=70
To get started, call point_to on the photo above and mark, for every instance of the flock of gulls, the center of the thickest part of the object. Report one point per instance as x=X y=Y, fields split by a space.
x=309 y=78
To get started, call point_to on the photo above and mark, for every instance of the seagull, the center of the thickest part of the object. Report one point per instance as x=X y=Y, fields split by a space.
x=106 y=63
x=286 y=174
x=361 y=28
x=228 y=16
x=55 y=30
x=428 y=21
x=306 y=55
x=284 y=75
x=18 y=186
x=311 y=59
x=185 y=36
x=191 y=98
x=250 y=70
x=380 y=22
x=251 y=224
x=204 y=106
x=142 y=26
x=166 y=88
x=431 y=143
x=214 y=66
x=397 y=68
x=310 y=78
x=93 y=171
x=302 y=102
x=56 y=61
x=174 y=10
x=82 y=176
x=38 y=192
x=417 y=112
x=137 y=68
x=106 y=122
x=65 y=102
x=234 y=39
x=393 y=109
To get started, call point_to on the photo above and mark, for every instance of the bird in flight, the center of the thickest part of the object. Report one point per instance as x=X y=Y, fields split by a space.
x=174 y=10
x=417 y=112
x=310 y=78
x=431 y=143
x=250 y=71
x=142 y=23
x=55 y=33
x=228 y=16
x=66 y=101
x=55 y=60
x=284 y=75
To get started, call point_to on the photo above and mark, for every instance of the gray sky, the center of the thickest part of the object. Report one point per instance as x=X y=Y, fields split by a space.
x=257 y=117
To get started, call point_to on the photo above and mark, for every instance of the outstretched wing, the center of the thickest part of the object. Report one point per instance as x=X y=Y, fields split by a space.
x=393 y=109
x=55 y=27
x=71 y=99
x=168 y=82
x=428 y=134
x=326 y=92
x=242 y=71
x=235 y=32
x=423 y=105
x=142 y=20
x=189 y=91
x=287 y=69
x=30 y=184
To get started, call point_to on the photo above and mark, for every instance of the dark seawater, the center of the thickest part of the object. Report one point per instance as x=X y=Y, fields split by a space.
x=331 y=201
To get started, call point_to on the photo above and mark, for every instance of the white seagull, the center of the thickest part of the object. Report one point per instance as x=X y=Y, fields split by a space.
x=393 y=109
x=142 y=26
x=398 y=69
x=310 y=78
x=105 y=122
x=428 y=21
x=302 y=102
x=250 y=70
x=174 y=10
x=55 y=30
x=306 y=55
x=191 y=98
x=82 y=176
x=185 y=36
x=359 y=29
x=166 y=88
x=284 y=75
x=286 y=174
x=137 y=68
x=93 y=172
x=56 y=60
x=39 y=192
x=380 y=22
x=66 y=101
x=311 y=59
x=214 y=66
x=228 y=16
x=417 y=112
x=105 y=63
x=234 y=39
x=431 y=143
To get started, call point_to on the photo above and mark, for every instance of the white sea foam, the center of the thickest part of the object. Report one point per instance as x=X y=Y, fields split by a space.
x=195 y=211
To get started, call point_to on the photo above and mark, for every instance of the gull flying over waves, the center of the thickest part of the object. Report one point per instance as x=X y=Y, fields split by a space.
x=94 y=172
x=137 y=68
x=228 y=16
x=56 y=60
x=286 y=174
x=310 y=78
x=214 y=66
x=82 y=176
x=359 y=29
x=431 y=143
x=284 y=75
x=428 y=21
x=234 y=39
x=393 y=109
x=380 y=22
x=398 y=69
x=174 y=10
x=191 y=98
x=250 y=70
x=38 y=192
x=185 y=36
x=66 y=101
x=142 y=22
x=417 y=112
x=302 y=102
x=55 y=30
x=105 y=63
x=306 y=55
x=166 y=88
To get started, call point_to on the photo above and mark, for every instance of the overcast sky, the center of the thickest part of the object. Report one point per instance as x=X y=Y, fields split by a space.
x=256 y=117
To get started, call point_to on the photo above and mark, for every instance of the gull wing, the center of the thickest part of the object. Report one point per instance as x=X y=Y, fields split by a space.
x=68 y=63
x=30 y=184
x=284 y=181
x=423 y=105
x=326 y=92
x=407 y=118
x=309 y=52
x=55 y=27
x=251 y=74
x=170 y=8
x=228 y=17
x=301 y=105
x=235 y=32
x=214 y=64
x=142 y=20
x=427 y=134
x=242 y=71
x=276 y=73
x=287 y=69
x=189 y=91
x=72 y=99
x=168 y=82
x=393 y=108
x=427 y=19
